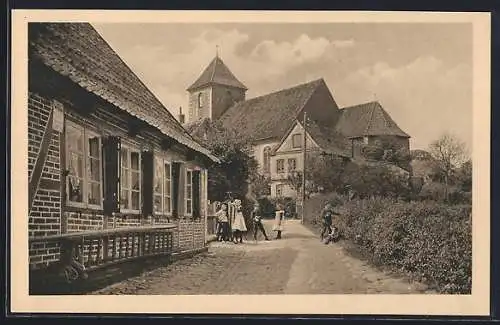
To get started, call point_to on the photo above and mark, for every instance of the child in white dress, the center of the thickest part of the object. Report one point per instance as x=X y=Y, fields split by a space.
x=238 y=225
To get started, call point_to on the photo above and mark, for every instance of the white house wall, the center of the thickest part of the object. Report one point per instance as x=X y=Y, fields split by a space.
x=258 y=151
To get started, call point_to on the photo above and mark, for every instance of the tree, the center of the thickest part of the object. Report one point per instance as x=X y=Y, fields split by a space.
x=260 y=185
x=464 y=176
x=449 y=153
x=323 y=172
x=237 y=165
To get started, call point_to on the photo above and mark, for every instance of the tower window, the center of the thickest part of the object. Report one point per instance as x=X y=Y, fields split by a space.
x=200 y=100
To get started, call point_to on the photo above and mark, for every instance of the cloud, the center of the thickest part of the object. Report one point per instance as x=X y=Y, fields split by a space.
x=168 y=71
x=425 y=97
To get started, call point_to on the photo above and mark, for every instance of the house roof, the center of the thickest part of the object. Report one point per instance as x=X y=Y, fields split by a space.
x=367 y=119
x=269 y=116
x=77 y=51
x=217 y=73
x=328 y=139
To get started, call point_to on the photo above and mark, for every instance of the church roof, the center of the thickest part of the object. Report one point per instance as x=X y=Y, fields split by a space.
x=269 y=116
x=217 y=73
x=78 y=52
x=328 y=139
x=367 y=119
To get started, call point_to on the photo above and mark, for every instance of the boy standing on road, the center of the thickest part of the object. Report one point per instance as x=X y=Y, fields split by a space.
x=257 y=222
x=328 y=213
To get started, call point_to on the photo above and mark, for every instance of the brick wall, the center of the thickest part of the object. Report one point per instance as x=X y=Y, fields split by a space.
x=45 y=215
x=195 y=112
x=191 y=234
x=224 y=97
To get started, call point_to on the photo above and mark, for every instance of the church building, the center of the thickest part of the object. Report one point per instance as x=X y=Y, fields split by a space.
x=274 y=121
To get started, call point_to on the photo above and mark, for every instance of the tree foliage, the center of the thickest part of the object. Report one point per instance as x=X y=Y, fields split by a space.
x=235 y=152
x=450 y=154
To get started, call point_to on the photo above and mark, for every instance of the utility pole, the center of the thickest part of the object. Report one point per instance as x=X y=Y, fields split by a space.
x=304 y=140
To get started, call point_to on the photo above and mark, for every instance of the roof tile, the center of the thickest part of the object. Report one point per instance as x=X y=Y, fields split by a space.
x=217 y=73
x=367 y=119
x=77 y=51
x=269 y=116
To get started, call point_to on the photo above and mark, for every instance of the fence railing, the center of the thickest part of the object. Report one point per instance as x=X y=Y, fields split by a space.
x=85 y=251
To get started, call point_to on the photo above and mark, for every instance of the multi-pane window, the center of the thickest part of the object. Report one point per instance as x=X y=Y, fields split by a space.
x=292 y=164
x=200 y=100
x=189 y=192
x=162 y=186
x=167 y=188
x=280 y=165
x=267 y=159
x=297 y=141
x=130 y=198
x=94 y=169
x=279 y=190
x=83 y=155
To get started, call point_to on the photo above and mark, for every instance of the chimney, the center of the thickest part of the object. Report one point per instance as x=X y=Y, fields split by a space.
x=181 y=116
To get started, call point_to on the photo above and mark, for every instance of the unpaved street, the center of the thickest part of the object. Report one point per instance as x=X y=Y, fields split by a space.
x=297 y=264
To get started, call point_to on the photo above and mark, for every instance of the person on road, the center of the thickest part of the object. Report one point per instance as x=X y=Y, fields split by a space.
x=327 y=220
x=238 y=224
x=223 y=223
x=278 y=220
x=257 y=222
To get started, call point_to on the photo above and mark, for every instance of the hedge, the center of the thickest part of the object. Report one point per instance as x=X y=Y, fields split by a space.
x=429 y=241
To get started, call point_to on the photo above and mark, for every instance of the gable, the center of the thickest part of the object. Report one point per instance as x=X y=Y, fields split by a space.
x=287 y=145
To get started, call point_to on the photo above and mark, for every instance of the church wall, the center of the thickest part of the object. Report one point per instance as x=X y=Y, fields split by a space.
x=288 y=144
x=224 y=97
x=258 y=152
x=322 y=107
x=398 y=142
x=196 y=112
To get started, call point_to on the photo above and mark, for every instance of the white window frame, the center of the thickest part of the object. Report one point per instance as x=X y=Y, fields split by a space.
x=86 y=132
x=278 y=170
x=130 y=148
x=188 y=171
x=300 y=141
x=281 y=188
x=266 y=159
x=295 y=164
x=200 y=100
x=164 y=161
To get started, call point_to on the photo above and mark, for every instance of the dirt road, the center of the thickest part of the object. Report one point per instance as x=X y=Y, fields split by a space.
x=297 y=264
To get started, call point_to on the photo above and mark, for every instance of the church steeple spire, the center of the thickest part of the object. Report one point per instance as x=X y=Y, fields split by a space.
x=215 y=90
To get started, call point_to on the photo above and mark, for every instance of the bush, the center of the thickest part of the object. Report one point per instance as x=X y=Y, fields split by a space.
x=266 y=207
x=430 y=241
x=289 y=205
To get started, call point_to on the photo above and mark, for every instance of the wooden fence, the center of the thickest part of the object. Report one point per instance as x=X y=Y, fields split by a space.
x=86 y=251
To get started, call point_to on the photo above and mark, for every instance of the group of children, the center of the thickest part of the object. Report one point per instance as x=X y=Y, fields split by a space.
x=232 y=227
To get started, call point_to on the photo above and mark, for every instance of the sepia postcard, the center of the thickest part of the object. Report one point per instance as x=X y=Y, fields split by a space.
x=250 y=162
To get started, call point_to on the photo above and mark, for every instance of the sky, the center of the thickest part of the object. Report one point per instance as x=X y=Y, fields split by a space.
x=421 y=73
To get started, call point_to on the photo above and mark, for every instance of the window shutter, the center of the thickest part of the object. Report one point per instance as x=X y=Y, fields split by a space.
x=111 y=170
x=176 y=171
x=196 y=194
x=147 y=163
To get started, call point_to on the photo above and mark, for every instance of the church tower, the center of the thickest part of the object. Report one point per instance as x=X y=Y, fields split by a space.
x=214 y=92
